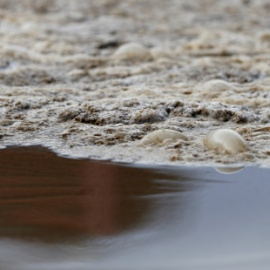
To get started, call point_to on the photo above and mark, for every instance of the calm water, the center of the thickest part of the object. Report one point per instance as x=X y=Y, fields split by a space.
x=59 y=213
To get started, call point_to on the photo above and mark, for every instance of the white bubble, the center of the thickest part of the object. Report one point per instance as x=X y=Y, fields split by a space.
x=214 y=88
x=217 y=86
x=161 y=137
x=132 y=52
x=226 y=140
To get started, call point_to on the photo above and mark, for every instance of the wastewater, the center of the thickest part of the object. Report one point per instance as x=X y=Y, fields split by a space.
x=57 y=212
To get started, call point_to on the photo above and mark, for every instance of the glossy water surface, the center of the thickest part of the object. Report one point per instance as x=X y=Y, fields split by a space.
x=61 y=213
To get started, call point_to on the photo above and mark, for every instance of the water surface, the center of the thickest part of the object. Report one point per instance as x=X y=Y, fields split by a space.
x=62 y=213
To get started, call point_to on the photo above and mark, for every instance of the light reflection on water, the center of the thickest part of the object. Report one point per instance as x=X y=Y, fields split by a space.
x=59 y=213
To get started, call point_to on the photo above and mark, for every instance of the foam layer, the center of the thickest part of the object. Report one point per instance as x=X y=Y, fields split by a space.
x=96 y=78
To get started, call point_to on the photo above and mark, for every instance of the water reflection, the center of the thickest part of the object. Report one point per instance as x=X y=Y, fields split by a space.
x=58 y=213
x=229 y=170
x=49 y=198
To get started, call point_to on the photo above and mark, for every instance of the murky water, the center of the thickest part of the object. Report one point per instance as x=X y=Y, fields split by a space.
x=60 y=213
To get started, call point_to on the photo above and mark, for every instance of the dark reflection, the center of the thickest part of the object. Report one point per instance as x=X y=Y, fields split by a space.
x=51 y=198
